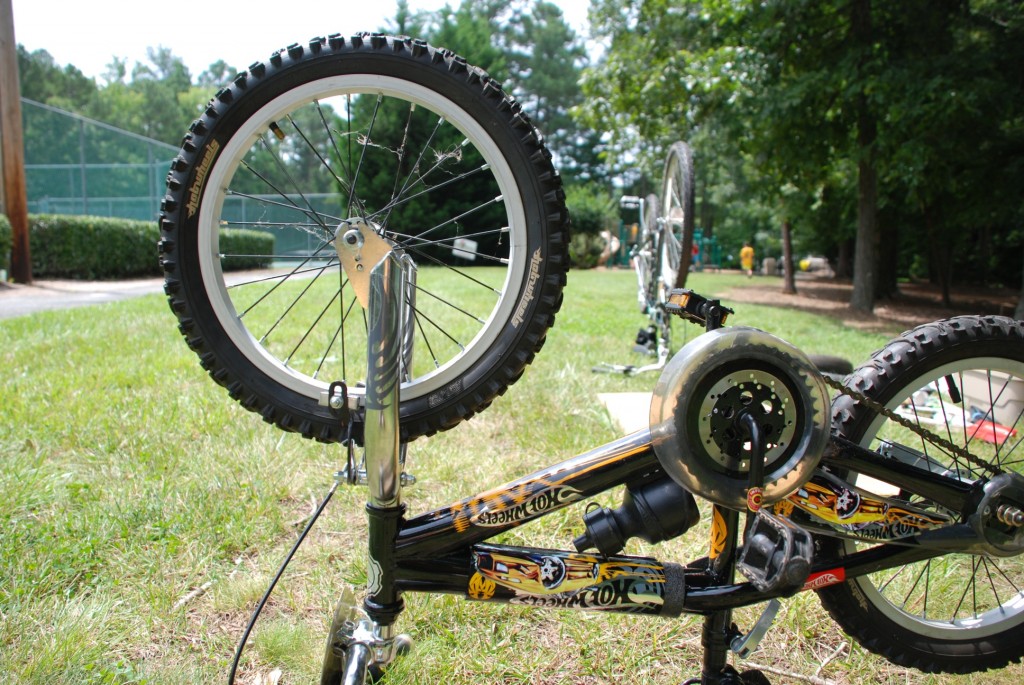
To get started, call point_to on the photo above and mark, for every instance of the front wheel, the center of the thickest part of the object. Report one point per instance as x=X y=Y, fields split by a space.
x=383 y=132
x=962 y=379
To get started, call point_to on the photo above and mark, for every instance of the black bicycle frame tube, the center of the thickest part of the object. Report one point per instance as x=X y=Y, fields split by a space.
x=949 y=492
x=441 y=551
x=626 y=460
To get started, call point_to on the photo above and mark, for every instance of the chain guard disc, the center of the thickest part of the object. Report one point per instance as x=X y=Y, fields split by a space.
x=715 y=377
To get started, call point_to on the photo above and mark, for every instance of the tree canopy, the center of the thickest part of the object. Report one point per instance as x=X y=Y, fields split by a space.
x=868 y=125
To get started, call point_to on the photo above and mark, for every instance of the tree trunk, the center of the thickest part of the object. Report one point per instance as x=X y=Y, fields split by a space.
x=1019 y=312
x=707 y=209
x=865 y=258
x=788 y=273
x=940 y=254
x=887 y=285
x=844 y=266
x=865 y=264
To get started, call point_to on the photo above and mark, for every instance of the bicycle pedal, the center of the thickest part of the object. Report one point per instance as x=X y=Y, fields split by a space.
x=776 y=554
x=697 y=309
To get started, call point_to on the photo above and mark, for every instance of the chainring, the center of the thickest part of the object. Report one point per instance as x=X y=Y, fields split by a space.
x=703 y=389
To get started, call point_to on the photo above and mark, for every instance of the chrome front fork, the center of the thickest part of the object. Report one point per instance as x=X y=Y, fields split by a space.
x=386 y=280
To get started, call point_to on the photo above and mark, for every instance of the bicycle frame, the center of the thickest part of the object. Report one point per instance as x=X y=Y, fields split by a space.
x=446 y=550
x=645 y=260
x=442 y=550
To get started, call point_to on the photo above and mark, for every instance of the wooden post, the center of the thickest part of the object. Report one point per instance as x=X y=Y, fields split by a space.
x=12 y=170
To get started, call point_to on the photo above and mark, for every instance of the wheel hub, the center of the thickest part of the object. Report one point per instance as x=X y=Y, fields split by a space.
x=360 y=248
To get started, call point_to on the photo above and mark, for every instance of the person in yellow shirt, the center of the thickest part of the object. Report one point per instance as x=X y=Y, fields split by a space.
x=747 y=259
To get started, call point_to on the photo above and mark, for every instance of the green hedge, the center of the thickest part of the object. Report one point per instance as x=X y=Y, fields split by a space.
x=591 y=210
x=6 y=241
x=257 y=246
x=90 y=247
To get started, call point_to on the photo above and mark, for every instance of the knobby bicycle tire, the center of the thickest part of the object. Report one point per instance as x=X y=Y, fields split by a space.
x=957 y=613
x=425 y=148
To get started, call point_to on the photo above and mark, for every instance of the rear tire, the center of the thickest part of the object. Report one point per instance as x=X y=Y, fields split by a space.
x=958 y=613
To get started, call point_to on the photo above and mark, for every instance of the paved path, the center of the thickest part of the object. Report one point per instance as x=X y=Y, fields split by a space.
x=43 y=295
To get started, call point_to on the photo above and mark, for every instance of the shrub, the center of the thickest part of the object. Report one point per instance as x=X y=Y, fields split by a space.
x=257 y=246
x=591 y=211
x=585 y=251
x=91 y=247
x=6 y=242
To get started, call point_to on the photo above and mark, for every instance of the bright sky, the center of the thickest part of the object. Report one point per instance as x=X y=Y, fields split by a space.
x=89 y=33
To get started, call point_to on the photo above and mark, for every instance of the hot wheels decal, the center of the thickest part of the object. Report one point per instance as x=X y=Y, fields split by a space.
x=860 y=513
x=817 y=581
x=568 y=580
x=534 y=505
x=481 y=587
x=719 y=534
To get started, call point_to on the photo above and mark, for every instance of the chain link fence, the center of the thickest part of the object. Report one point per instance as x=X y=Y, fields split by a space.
x=75 y=165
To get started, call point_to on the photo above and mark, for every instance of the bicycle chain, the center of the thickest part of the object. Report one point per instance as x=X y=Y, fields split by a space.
x=924 y=434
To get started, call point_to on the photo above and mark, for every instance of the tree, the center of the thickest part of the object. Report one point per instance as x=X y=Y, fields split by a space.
x=547 y=58
x=468 y=31
x=880 y=105
x=43 y=80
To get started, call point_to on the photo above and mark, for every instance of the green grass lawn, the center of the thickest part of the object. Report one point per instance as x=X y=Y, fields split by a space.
x=129 y=479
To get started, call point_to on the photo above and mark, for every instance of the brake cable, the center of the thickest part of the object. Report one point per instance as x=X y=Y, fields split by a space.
x=341 y=409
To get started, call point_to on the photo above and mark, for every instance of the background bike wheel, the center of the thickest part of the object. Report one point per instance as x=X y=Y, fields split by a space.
x=677 y=215
x=426 y=149
x=652 y=251
x=958 y=613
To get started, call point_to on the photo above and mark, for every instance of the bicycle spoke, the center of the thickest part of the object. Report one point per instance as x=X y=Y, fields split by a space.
x=968 y=588
x=426 y=340
x=440 y=329
x=329 y=130
x=474 y=317
x=338 y=333
x=273 y=288
x=405 y=184
x=290 y=205
x=289 y=308
x=308 y=210
x=316 y=152
x=368 y=136
x=451 y=268
x=316 y=321
x=452 y=239
x=398 y=202
x=456 y=219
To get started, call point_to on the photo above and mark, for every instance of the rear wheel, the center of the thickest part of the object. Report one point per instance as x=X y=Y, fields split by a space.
x=677 y=215
x=962 y=379
x=387 y=132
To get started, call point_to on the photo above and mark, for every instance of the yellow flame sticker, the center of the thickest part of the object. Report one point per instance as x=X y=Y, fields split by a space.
x=481 y=587
x=719 y=533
